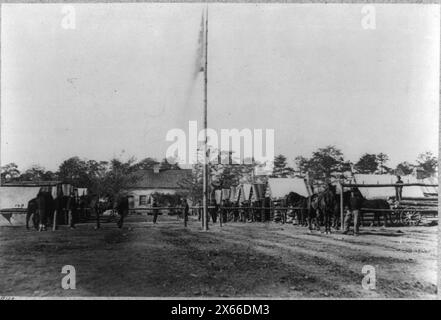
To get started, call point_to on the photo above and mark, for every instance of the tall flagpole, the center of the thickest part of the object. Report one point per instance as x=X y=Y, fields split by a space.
x=205 y=167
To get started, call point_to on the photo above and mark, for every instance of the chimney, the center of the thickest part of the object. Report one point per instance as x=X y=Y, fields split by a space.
x=156 y=168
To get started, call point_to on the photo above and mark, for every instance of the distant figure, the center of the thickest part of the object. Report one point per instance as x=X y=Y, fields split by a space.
x=155 y=211
x=353 y=212
x=213 y=210
x=199 y=209
x=186 y=209
x=72 y=209
x=122 y=207
x=32 y=211
x=399 y=189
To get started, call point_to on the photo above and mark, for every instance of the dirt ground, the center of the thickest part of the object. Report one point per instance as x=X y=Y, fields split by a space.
x=237 y=260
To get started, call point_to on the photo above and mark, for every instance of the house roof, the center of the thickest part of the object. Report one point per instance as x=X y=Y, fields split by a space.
x=31 y=183
x=166 y=179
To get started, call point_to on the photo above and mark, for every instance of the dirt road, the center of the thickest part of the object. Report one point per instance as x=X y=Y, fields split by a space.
x=237 y=260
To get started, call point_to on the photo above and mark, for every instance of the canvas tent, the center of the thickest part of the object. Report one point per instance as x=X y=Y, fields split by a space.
x=225 y=194
x=218 y=196
x=82 y=192
x=278 y=188
x=14 y=201
x=245 y=192
x=258 y=191
x=386 y=192
x=421 y=191
x=430 y=191
x=235 y=193
x=17 y=197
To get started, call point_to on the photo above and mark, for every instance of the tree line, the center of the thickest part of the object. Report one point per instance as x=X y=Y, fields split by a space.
x=100 y=177
x=114 y=176
x=324 y=164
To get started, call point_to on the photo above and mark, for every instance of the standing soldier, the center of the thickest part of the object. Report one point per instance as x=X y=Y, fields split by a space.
x=155 y=211
x=72 y=209
x=122 y=207
x=186 y=209
x=213 y=210
x=398 y=189
x=355 y=203
x=199 y=208
x=97 y=209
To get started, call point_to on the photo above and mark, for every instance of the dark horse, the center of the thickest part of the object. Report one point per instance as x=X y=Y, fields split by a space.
x=305 y=212
x=45 y=206
x=122 y=207
x=325 y=204
x=32 y=211
x=373 y=204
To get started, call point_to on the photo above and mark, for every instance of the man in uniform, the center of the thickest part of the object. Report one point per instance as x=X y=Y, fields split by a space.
x=122 y=207
x=353 y=212
x=155 y=211
x=186 y=209
x=213 y=210
x=199 y=209
x=72 y=209
x=398 y=189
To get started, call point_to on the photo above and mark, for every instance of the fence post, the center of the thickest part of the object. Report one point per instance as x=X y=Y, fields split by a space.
x=54 y=224
x=342 y=217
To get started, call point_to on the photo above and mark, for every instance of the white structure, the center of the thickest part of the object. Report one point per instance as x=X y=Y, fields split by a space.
x=280 y=187
x=156 y=181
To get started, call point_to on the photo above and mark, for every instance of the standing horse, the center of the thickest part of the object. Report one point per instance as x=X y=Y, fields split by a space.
x=122 y=207
x=45 y=205
x=325 y=204
x=300 y=204
x=374 y=204
x=32 y=211
x=306 y=211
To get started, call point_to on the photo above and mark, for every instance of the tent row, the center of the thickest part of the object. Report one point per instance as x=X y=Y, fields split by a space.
x=279 y=188
x=14 y=198
x=275 y=189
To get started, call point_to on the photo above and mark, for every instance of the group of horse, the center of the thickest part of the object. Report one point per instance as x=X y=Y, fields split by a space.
x=323 y=208
x=44 y=206
x=44 y=210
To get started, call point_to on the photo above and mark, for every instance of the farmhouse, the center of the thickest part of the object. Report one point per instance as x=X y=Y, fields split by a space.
x=153 y=181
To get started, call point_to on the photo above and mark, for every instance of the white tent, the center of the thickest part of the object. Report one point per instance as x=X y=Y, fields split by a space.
x=422 y=191
x=280 y=187
x=386 y=192
x=82 y=192
x=17 y=197
x=218 y=196
x=258 y=191
x=430 y=190
x=12 y=219
x=234 y=193
x=14 y=199
x=225 y=194
x=245 y=192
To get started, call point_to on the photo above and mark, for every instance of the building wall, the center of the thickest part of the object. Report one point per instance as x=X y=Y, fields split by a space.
x=138 y=193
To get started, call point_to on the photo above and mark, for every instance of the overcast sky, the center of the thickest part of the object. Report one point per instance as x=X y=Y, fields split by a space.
x=123 y=77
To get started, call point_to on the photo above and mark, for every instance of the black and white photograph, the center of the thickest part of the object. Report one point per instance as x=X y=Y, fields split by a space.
x=219 y=150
